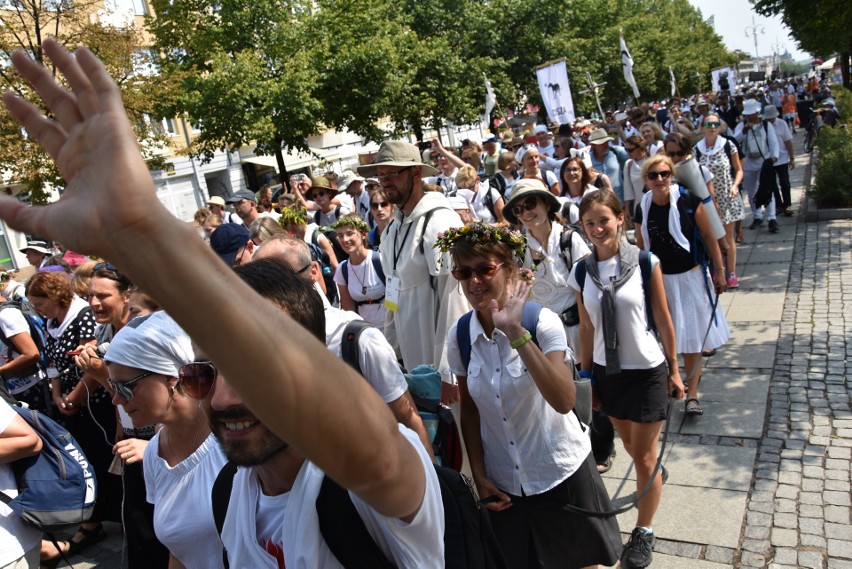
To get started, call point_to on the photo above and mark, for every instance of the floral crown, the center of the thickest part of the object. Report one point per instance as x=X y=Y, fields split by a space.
x=351 y=221
x=483 y=233
x=292 y=214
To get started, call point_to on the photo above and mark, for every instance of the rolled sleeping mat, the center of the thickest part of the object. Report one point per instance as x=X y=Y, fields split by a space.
x=688 y=174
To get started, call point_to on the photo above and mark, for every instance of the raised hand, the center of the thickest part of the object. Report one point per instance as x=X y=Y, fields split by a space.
x=509 y=315
x=109 y=188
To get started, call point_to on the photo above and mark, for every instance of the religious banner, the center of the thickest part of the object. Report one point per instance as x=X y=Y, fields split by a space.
x=724 y=79
x=556 y=92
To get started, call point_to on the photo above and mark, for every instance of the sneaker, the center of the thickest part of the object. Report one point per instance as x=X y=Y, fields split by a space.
x=733 y=281
x=773 y=226
x=638 y=551
x=756 y=223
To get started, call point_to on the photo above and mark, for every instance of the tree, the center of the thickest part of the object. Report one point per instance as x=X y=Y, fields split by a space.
x=822 y=28
x=24 y=25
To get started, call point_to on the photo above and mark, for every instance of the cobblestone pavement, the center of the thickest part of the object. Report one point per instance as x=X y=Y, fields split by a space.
x=762 y=479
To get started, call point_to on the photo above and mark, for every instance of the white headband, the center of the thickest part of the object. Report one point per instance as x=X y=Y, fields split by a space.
x=151 y=343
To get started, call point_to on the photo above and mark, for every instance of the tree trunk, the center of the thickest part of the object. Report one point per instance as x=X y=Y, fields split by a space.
x=417 y=127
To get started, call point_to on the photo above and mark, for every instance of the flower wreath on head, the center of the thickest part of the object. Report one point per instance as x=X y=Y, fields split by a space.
x=479 y=232
x=293 y=214
x=353 y=222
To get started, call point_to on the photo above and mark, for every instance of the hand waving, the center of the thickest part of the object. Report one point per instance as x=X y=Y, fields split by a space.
x=510 y=315
x=109 y=188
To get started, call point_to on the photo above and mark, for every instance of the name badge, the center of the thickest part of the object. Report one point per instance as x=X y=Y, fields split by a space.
x=392 y=294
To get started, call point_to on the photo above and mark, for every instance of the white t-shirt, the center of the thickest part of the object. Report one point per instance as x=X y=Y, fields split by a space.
x=16 y=537
x=447 y=183
x=782 y=131
x=528 y=446
x=364 y=284
x=637 y=346
x=376 y=356
x=183 y=514
x=275 y=216
x=419 y=543
x=12 y=323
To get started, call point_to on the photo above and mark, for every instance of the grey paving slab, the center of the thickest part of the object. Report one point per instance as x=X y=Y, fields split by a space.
x=764 y=276
x=760 y=306
x=752 y=345
x=710 y=466
x=733 y=385
x=684 y=515
x=726 y=419
x=662 y=561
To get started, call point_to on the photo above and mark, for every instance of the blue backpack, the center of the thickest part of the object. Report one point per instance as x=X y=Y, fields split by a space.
x=56 y=487
x=38 y=332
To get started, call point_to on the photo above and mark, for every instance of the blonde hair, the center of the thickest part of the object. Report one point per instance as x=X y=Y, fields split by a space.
x=466 y=177
x=655 y=160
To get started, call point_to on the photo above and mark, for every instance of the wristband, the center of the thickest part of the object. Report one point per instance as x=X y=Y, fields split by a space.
x=517 y=343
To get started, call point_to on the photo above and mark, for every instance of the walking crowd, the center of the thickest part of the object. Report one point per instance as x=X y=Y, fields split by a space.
x=513 y=272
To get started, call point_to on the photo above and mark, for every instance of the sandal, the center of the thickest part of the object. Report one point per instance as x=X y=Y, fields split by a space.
x=692 y=406
x=708 y=353
x=90 y=537
x=603 y=467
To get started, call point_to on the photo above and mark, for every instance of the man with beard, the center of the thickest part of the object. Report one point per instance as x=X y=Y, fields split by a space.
x=314 y=402
x=271 y=517
x=423 y=301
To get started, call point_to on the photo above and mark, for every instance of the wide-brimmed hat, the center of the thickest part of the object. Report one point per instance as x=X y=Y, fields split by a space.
x=397 y=153
x=770 y=112
x=216 y=200
x=37 y=246
x=751 y=107
x=599 y=136
x=320 y=183
x=346 y=179
x=525 y=188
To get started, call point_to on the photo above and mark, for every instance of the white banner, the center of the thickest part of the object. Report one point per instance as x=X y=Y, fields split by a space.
x=627 y=64
x=556 y=92
x=724 y=79
x=490 y=100
x=674 y=83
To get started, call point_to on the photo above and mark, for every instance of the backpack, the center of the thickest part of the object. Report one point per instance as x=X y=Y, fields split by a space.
x=38 y=332
x=488 y=200
x=469 y=540
x=446 y=445
x=375 y=259
x=321 y=257
x=498 y=182
x=56 y=487
x=646 y=271
x=529 y=321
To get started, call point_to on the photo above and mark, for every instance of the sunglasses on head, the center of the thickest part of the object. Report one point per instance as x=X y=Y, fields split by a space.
x=664 y=175
x=125 y=388
x=527 y=205
x=377 y=205
x=105 y=266
x=198 y=378
x=482 y=271
x=713 y=124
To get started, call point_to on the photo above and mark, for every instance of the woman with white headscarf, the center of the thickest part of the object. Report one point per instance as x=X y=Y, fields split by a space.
x=182 y=460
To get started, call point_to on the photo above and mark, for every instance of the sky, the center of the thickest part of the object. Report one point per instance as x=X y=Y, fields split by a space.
x=732 y=17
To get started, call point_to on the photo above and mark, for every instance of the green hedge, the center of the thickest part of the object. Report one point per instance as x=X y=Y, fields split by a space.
x=833 y=181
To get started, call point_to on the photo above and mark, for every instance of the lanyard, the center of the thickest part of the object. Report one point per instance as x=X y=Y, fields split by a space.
x=398 y=251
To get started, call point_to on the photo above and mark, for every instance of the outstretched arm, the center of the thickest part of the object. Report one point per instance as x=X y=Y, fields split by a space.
x=316 y=403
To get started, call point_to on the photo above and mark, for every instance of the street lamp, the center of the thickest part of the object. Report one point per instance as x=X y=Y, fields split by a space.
x=754 y=30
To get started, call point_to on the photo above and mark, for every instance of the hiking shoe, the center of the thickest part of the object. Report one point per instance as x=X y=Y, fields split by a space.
x=773 y=226
x=733 y=281
x=756 y=223
x=638 y=551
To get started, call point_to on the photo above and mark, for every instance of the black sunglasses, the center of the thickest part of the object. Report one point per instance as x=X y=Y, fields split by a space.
x=125 y=388
x=527 y=205
x=664 y=175
x=198 y=378
x=375 y=205
x=678 y=153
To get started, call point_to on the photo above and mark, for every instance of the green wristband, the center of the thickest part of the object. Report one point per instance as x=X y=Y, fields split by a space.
x=521 y=341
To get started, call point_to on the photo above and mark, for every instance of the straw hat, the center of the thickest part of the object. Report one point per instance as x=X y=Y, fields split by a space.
x=599 y=136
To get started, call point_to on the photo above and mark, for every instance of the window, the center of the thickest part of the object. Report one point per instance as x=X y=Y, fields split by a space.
x=137 y=7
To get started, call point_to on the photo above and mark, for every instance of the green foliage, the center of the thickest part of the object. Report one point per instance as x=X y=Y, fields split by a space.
x=822 y=28
x=833 y=181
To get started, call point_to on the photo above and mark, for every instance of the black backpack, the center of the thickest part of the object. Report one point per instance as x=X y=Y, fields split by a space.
x=321 y=257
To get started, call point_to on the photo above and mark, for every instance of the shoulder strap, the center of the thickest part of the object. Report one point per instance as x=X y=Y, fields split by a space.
x=580 y=274
x=349 y=342
x=463 y=338
x=317 y=218
x=646 y=270
x=565 y=240
x=343 y=530
x=426 y=219
x=344 y=268
x=337 y=212
x=377 y=266
x=529 y=319
x=221 y=498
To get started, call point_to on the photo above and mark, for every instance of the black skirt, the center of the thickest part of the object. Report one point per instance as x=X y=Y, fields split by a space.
x=638 y=395
x=537 y=533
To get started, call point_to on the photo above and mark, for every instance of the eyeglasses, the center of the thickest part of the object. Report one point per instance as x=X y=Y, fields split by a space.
x=125 y=388
x=382 y=205
x=105 y=266
x=482 y=271
x=528 y=205
x=198 y=378
x=678 y=153
x=387 y=175
x=712 y=124
x=664 y=175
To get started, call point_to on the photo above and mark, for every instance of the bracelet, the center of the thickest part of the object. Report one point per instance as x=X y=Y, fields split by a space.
x=517 y=343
